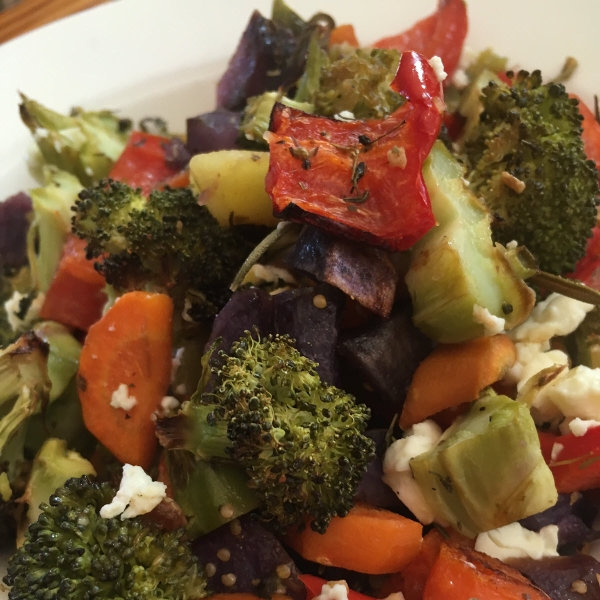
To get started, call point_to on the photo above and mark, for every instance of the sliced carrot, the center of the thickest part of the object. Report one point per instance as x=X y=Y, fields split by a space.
x=131 y=345
x=456 y=373
x=75 y=297
x=416 y=572
x=369 y=540
x=462 y=574
x=344 y=34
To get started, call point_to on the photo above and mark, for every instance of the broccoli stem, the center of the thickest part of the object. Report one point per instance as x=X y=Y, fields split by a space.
x=193 y=430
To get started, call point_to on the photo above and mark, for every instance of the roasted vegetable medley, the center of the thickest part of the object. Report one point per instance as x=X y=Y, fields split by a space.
x=340 y=339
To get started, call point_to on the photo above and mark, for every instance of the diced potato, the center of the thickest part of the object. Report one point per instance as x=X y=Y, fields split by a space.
x=233 y=182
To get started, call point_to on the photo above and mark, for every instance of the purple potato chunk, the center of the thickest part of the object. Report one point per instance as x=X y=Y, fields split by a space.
x=315 y=328
x=176 y=154
x=290 y=313
x=569 y=517
x=371 y=488
x=243 y=557
x=268 y=57
x=14 y=225
x=380 y=360
x=216 y=130
x=563 y=577
x=361 y=271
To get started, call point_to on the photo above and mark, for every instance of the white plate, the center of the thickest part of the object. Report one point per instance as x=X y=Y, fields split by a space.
x=152 y=57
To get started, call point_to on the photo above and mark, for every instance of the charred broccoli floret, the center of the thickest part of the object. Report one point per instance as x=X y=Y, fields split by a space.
x=71 y=553
x=164 y=243
x=350 y=79
x=300 y=440
x=528 y=163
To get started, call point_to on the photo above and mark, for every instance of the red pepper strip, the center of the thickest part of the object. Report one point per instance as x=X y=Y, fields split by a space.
x=577 y=466
x=349 y=177
x=142 y=164
x=314 y=585
x=76 y=295
x=441 y=34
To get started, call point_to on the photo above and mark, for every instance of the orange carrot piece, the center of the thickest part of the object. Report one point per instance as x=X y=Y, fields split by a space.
x=456 y=373
x=369 y=540
x=344 y=33
x=75 y=297
x=461 y=574
x=131 y=345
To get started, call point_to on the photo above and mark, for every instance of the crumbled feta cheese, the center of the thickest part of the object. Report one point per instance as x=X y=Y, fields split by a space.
x=531 y=359
x=577 y=393
x=557 y=315
x=579 y=427
x=512 y=245
x=420 y=438
x=345 y=115
x=514 y=541
x=438 y=67
x=556 y=450
x=12 y=307
x=121 y=399
x=137 y=495
x=333 y=590
x=492 y=325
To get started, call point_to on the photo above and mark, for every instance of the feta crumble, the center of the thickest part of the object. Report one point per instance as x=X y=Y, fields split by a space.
x=345 y=115
x=557 y=315
x=438 y=67
x=514 y=541
x=12 y=306
x=492 y=325
x=333 y=590
x=579 y=427
x=556 y=450
x=577 y=393
x=137 y=495
x=121 y=399
x=420 y=438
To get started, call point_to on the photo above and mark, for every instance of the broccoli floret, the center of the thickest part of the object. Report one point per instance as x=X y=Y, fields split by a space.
x=71 y=553
x=351 y=79
x=85 y=144
x=528 y=163
x=300 y=440
x=164 y=243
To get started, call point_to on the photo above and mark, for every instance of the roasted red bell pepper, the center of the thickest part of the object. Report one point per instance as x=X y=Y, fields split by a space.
x=577 y=466
x=441 y=34
x=314 y=585
x=360 y=179
x=75 y=297
x=142 y=164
